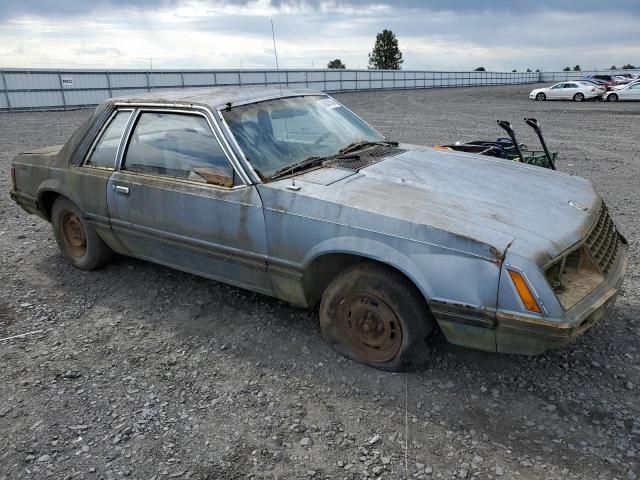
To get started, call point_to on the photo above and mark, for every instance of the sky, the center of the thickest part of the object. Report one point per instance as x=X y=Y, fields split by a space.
x=433 y=35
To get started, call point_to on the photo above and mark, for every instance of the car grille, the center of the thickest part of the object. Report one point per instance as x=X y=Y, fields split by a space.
x=603 y=241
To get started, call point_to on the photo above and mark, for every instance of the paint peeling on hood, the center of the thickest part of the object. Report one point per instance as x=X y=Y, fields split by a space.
x=492 y=201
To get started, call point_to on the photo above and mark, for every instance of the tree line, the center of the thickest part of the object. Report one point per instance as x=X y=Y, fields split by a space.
x=386 y=55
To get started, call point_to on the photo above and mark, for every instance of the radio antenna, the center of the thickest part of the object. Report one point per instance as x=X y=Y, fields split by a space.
x=293 y=185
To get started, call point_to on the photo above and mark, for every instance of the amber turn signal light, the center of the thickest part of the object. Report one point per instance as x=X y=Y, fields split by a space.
x=525 y=293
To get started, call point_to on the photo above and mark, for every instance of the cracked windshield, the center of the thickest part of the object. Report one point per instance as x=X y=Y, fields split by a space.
x=281 y=133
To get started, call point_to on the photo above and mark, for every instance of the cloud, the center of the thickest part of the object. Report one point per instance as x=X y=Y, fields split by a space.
x=100 y=51
x=62 y=8
x=68 y=8
x=226 y=34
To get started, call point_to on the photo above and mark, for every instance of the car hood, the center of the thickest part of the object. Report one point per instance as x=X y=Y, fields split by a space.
x=493 y=201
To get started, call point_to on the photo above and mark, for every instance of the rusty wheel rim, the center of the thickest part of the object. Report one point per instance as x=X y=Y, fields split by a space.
x=73 y=234
x=370 y=327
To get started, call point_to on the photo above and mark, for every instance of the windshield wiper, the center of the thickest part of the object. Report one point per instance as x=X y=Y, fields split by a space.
x=293 y=167
x=363 y=144
x=313 y=161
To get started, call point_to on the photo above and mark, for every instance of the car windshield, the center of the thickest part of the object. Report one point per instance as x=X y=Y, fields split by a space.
x=276 y=134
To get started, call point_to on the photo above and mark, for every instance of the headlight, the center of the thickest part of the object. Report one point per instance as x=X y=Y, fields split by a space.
x=573 y=277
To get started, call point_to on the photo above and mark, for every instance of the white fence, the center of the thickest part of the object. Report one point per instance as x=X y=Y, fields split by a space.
x=563 y=76
x=40 y=89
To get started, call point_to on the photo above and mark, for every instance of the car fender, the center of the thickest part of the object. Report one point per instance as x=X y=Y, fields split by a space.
x=52 y=186
x=442 y=275
x=373 y=250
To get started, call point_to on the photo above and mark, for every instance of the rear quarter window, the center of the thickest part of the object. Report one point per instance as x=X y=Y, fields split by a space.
x=106 y=148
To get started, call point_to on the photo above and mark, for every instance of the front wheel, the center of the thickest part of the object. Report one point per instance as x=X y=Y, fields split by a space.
x=578 y=97
x=612 y=97
x=373 y=315
x=541 y=96
x=78 y=242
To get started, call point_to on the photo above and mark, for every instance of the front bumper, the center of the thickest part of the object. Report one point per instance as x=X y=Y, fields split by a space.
x=532 y=335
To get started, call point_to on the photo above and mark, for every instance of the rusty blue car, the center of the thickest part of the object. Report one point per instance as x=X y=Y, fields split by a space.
x=288 y=193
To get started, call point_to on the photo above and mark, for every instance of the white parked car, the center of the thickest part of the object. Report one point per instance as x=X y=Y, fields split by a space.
x=574 y=90
x=630 y=91
x=622 y=79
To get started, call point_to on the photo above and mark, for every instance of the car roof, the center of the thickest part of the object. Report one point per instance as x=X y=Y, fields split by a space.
x=214 y=96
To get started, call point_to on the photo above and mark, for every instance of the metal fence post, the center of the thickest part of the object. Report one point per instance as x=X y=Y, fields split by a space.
x=64 y=100
x=109 y=83
x=6 y=89
x=182 y=78
x=148 y=82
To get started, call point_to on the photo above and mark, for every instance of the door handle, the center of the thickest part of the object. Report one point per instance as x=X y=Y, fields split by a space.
x=121 y=189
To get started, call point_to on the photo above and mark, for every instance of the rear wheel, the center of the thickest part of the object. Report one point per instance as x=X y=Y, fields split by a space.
x=373 y=315
x=612 y=97
x=541 y=96
x=78 y=242
x=578 y=97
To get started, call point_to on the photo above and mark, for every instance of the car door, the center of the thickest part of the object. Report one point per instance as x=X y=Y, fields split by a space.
x=176 y=199
x=91 y=176
x=633 y=92
x=569 y=90
x=555 y=91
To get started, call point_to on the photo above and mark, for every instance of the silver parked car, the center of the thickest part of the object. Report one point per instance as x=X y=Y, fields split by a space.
x=574 y=90
x=630 y=91
x=290 y=194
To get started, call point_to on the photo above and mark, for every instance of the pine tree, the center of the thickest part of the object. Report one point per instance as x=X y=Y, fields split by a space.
x=386 y=54
x=337 y=63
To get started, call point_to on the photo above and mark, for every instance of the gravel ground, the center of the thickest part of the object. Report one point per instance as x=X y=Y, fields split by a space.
x=144 y=372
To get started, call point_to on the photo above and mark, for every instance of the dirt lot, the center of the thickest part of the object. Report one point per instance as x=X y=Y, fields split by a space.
x=144 y=372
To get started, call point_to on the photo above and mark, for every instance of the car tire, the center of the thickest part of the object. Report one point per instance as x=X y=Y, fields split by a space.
x=372 y=314
x=78 y=242
x=578 y=97
x=541 y=97
x=612 y=97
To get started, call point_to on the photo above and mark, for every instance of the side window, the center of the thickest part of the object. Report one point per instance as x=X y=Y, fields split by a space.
x=560 y=85
x=104 y=152
x=178 y=146
x=635 y=87
x=571 y=85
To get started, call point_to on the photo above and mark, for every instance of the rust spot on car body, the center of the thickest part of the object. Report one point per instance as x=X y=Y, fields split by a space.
x=497 y=254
